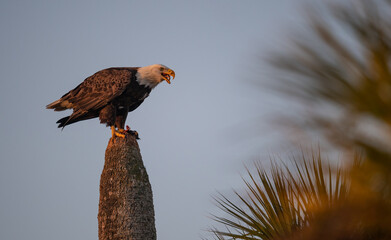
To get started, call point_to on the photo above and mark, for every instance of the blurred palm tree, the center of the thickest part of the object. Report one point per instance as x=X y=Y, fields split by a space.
x=279 y=204
x=341 y=72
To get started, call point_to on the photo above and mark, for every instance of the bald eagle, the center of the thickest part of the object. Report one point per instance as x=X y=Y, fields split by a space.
x=110 y=94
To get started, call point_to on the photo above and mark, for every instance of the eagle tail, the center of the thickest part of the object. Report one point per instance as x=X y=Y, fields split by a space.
x=68 y=120
x=63 y=122
x=76 y=118
x=59 y=105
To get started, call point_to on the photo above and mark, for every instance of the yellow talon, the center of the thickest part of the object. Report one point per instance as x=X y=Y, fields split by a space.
x=121 y=130
x=117 y=134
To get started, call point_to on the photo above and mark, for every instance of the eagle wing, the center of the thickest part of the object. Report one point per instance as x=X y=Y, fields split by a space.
x=95 y=92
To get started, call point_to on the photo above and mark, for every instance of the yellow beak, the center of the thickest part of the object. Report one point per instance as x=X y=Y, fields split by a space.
x=167 y=74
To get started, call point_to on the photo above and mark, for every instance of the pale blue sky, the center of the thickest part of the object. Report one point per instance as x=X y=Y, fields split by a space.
x=194 y=132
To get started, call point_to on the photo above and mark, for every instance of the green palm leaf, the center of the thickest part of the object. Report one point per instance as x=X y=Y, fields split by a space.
x=278 y=204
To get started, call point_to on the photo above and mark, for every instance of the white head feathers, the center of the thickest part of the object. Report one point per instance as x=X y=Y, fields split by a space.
x=150 y=76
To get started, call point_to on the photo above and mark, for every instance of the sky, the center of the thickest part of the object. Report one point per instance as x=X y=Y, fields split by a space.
x=196 y=134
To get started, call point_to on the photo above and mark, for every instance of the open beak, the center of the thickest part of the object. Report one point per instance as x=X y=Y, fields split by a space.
x=167 y=74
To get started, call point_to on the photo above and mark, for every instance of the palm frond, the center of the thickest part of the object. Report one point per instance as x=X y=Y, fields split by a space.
x=281 y=202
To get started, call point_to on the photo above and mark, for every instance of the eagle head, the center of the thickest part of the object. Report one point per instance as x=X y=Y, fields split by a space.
x=151 y=76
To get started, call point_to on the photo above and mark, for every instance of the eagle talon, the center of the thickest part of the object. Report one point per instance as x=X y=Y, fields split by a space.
x=120 y=130
x=115 y=133
x=121 y=135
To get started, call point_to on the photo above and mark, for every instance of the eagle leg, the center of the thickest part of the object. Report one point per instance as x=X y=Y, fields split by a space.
x=114 y=133
x=122 y=132
x=127 y=131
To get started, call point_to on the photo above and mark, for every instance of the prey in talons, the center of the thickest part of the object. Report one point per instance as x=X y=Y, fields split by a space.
x=122 y=133
x=131 y=132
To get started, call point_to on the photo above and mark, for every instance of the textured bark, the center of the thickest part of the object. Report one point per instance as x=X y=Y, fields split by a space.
x=125 y=205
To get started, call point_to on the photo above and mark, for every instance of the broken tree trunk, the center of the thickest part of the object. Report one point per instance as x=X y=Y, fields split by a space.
x=125 y=204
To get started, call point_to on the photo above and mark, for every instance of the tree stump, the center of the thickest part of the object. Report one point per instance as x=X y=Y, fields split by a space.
x=125 y=205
